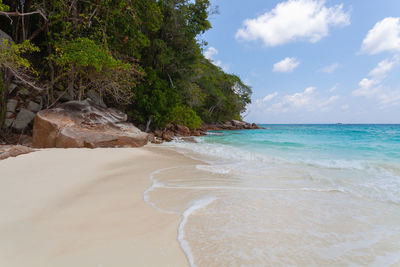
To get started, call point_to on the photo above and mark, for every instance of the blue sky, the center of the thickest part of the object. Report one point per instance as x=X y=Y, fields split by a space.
x=312 y=61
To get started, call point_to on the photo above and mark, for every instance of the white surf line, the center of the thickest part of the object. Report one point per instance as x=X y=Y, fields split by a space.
x=196 y=205
x=156 y=184
x=253 y=188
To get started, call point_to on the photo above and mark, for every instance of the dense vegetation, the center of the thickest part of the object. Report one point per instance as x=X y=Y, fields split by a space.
x=142 y=56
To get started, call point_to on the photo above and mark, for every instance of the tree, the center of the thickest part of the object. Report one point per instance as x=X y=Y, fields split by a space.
x=143 y=56
x=85 y=65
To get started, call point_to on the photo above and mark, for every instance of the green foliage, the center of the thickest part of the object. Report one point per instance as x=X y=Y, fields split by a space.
x=85 y=53
x=3 y=7
x=87 y=65
x=11 y=55
x=183 y=115
x=153 y=100
x=144 y=56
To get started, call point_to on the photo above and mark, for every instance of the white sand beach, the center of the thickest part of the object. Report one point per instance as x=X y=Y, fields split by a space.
x=85 y=207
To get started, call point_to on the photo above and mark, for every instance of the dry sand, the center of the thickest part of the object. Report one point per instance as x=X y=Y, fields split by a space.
x=83 y=207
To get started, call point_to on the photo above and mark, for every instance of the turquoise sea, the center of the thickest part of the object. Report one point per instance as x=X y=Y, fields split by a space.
x=288 y=195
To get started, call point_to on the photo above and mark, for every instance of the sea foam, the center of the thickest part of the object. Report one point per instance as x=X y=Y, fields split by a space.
x=192 y=208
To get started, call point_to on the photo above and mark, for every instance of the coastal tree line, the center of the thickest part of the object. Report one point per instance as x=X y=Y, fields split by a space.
x=142 y=56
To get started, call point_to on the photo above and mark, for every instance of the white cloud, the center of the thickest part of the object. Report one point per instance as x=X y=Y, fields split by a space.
x=286 y=65
x=210 y=53
x=372 y=87
x=293 y=20
x=331 y=68
x=302 y=99
x=333 y=88
x=269 y=97
x=308 y=100
x=380 y=71
x=384 y=36
x=261 y=102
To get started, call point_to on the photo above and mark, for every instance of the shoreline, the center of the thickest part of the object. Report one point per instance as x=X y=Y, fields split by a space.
x=86 y=207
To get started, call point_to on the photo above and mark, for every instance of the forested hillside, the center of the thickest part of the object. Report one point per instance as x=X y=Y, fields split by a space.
x=142 y=56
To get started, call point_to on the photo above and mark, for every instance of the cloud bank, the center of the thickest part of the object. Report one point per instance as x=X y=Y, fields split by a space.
x=293 y=20
x=307 y=100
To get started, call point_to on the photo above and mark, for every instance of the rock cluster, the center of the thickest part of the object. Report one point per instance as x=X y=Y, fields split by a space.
x=78 y=124
x=230 y=125
x=171 y=131
x=21 y=109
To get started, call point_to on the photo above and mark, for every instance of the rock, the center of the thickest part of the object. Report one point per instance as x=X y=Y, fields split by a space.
x=155 y=140
x=97 y=99
x=85 y=124
x=168 y=135
x=12 y=105
x=25 y=140
x=241 y=124
x=198 y=133
x=24 y=92
x=210 y=127
x=182 y=130
x=158 y=133
x=34 y=107
x=10 y=115
x=9 y=122
x=12 y=87
x=13 y=151
x=170 y=127
x=24 y=118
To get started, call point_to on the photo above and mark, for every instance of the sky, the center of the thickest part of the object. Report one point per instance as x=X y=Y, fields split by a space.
x=311 y=61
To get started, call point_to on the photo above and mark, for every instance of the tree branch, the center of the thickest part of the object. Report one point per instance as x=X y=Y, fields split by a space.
x=18 y=14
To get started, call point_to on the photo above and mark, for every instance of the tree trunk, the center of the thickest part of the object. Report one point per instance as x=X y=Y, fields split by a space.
x=148 y=124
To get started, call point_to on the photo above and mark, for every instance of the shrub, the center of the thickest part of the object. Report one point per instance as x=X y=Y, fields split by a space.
x=183 y=115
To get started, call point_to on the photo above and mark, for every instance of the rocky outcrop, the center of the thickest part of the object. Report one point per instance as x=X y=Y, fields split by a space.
x=230 y=125
x=21 y=108
x=77 y=124
x=171 y=131
x=13 y=151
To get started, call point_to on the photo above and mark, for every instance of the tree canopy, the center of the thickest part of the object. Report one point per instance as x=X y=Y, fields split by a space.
x=142 y=56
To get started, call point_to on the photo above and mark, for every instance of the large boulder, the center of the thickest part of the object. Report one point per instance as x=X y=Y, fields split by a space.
x=85 y=124
x=182 y=130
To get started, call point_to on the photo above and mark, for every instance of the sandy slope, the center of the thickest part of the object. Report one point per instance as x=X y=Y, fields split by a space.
x=82 y=207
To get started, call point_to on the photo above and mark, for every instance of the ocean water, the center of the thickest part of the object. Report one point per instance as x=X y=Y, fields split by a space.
x=287 y=195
